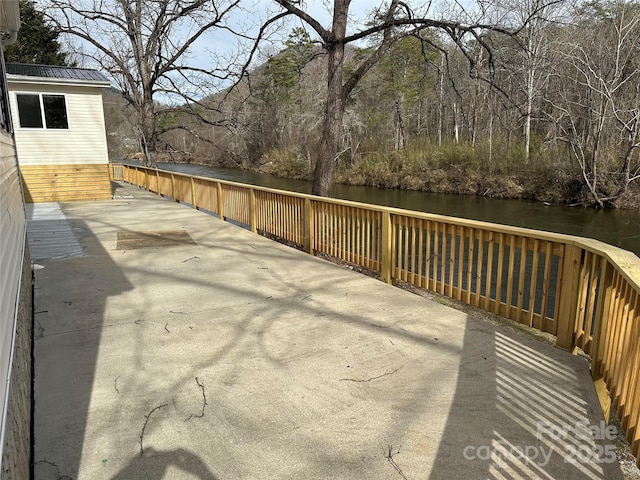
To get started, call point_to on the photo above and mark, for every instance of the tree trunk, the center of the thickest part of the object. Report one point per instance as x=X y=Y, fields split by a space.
x=528 y=114
x=332 y=123
x=337 y=91
x=147 y=125
x=491 y=141
x=440 y=100
x=334 y=107
x=456 y=128
x=401 y=137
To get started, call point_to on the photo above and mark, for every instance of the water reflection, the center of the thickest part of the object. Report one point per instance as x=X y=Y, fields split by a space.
x=616 y=227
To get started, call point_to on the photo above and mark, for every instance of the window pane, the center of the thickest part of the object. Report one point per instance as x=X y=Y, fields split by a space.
x=55 y=111
x=29 y=111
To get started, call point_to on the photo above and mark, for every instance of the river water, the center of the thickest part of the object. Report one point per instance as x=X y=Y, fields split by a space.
x=616 y=227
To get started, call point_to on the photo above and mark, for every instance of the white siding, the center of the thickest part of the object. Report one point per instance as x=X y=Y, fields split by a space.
x=84 y=142
x=12 y=243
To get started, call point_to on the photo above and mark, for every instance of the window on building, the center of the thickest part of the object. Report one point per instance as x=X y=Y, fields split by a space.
x=42 y=111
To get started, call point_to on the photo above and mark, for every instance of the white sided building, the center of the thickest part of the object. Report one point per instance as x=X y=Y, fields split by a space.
x=60 y=132
x=16 y=305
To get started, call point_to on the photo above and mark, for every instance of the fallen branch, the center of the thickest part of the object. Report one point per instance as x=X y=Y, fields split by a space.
x=204 y=402
x=388 y=372
x=146 y=421
x=389 y=454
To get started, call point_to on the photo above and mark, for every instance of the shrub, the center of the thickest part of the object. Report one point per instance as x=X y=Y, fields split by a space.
x=286 y=163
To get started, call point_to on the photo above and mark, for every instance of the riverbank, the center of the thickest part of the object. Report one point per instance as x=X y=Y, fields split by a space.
x=450 y=170
x=550 y=182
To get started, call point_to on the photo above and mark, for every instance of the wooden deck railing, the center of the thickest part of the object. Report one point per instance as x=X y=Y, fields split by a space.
x=583 y=291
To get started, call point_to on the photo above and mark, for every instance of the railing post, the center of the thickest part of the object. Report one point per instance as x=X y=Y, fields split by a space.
x=601 y=325
x=173 y=188
x=158 y=182
x=385 y=248
x=309 y=239
x=146 y=179
x=569 y=295
x=136 y=179
x=193 y=194
x=220 y=201
x=253 y=211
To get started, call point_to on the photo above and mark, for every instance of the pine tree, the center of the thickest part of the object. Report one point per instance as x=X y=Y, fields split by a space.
x=37 y=40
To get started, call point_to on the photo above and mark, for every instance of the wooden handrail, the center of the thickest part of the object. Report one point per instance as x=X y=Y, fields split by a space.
x=615 y=254
x=583 y=291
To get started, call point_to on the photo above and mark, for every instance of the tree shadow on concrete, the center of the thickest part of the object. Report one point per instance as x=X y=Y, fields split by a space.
x=505 y=384
x=512 y=393
x=154 y=464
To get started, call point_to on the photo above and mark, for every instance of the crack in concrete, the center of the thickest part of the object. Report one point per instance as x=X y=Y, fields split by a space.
x=59 y=475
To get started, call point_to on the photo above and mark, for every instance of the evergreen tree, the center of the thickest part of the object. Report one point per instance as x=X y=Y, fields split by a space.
x=284 y=69
x=37 y=40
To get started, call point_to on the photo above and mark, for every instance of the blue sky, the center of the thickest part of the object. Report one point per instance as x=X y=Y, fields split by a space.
x=256 y=13
x=219 y=47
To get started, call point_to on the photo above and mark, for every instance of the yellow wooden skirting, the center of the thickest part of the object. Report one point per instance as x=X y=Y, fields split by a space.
x=65 y=183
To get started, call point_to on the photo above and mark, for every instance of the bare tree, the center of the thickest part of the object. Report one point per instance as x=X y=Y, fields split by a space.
x=528 y=58
x=535 y=63
x=596 y=103
x=389 y=22
x=146 y=46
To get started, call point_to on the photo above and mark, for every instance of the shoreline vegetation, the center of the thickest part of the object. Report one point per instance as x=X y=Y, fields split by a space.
x=560 y=125
x=450 y=169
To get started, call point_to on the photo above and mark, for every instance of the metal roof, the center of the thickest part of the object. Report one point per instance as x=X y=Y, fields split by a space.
x=50 y=71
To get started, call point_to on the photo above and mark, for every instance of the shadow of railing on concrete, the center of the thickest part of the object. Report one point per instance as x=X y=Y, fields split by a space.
x=544 y=423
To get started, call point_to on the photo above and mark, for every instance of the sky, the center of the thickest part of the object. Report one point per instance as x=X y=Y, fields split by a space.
x=259 y=11
x=220 y=46
x=226 y=45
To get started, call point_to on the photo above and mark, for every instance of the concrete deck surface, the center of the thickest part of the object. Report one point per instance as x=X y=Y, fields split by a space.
x=239 y=358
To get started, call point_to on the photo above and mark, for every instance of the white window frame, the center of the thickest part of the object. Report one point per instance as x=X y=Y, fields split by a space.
x=42 y=117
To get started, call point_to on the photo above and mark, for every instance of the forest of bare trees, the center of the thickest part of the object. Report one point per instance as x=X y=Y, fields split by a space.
x=525 y=99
